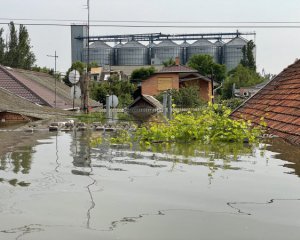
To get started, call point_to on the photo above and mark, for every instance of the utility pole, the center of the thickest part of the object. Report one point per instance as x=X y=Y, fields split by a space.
x=55 y=75
x=87 y=78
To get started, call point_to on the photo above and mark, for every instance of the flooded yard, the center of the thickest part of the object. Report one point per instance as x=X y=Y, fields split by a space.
x=58 y=186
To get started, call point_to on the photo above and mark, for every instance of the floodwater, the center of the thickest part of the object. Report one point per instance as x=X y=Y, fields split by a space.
x=58 y=186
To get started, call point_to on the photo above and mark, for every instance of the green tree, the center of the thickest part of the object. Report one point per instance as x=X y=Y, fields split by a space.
x=25 y=57
x=79 y=66
x=248 y=56
x=11 y=56
x=2 y=47
x=123 y=89
x=169 y=62
x=142 y=73
x=185 y=97
x=206 y=66
x=242 y=77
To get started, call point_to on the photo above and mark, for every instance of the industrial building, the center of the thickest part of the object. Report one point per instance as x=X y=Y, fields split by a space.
x=155 y=48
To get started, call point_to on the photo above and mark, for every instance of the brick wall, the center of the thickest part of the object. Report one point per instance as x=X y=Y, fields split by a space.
x=13 y=117
x=150 y=85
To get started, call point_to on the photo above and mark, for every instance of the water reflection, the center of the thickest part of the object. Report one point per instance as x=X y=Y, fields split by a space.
x=286 y=152
x=81 y=151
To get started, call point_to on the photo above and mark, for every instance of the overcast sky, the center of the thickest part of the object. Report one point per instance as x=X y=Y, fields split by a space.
x=276 y=48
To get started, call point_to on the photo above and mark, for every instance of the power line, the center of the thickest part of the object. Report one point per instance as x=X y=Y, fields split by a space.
x=164 y=26
x=151 y=21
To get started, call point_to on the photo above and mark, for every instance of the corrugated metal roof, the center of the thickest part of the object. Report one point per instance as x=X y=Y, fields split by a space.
x=202 y=42
x=237 y=42
x=99 y=44
x=167 y=43
x=133 y=44
x=279 y=103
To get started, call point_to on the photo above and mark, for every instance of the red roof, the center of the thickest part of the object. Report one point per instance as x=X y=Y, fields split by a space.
x=178 y=69
x=279 y=103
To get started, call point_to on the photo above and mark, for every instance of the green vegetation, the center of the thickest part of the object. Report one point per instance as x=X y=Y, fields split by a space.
x=185 y=97
x=211 y=125
x=242 y=77
x=142 y=73
x=206 y=66
x=123 y=89
x=170 y=62
x=16 y=52
x=248 y=60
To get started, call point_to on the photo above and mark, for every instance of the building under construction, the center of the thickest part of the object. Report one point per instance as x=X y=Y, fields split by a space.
x=155 y=48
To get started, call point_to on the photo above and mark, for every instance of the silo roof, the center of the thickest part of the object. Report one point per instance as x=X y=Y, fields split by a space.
x=99 y=44
x=237 y=41
x=133 y=44
x=185 y=44
x=219 y=43
x=119 y=45
x=167 y=43
x=202 y=42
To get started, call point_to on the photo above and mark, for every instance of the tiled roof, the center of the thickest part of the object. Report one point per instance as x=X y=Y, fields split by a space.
x=177 y=69
x=12 y=84
x=9 y=102
x=38 y=88
x=279 y=103
x=149 y=99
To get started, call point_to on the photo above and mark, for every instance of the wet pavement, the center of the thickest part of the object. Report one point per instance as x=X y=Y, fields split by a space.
x=58 y=186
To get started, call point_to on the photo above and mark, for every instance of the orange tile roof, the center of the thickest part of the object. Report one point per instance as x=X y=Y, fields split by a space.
x=279 y=103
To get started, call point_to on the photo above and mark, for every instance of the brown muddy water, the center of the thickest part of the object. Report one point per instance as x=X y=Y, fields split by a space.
x=60 y=187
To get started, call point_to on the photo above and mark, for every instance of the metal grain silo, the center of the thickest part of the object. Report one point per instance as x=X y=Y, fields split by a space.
x=183 y=52
x=150 y=46
x=133 y=53
x=100 y=52
x=219 y=51
x=233 y=52
x=116 y=52
x=165 y=50
x=203 y=47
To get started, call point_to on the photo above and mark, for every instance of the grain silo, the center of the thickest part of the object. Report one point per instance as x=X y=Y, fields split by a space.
x=164 y=51
x=132 y=53
x=183 y=52
x=100 y=53
x=233 y=52
x=203 y=47
x=116 y=49
x=219 y=51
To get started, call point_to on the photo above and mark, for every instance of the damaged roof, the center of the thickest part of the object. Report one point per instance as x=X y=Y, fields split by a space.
x=279 y=103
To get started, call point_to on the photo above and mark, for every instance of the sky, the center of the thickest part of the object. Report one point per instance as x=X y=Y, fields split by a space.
x=276 y=47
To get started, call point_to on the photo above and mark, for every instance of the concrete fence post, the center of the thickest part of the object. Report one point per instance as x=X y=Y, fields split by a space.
x=165 y=100
x=170 y=106
x=108 y=110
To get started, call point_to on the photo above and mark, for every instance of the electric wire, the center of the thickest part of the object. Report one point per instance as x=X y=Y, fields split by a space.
x=163 y=26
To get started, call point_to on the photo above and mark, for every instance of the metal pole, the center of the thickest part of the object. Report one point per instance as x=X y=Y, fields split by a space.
x=55 y=76
x=170 y=106
x=165 y=100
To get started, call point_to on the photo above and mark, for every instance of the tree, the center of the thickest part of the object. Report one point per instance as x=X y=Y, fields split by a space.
x=11 y=56
x=248 y=57
x=185 y=97
x=141 y=74
x=25 y=57
x=2 y=47
x=206 y=66
x=79 y=66
x=242 y=77
x=169 y=62
x=123 y=89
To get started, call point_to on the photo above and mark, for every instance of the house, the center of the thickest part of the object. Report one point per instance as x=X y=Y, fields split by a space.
x=145 y=102
x=176 y=77
x=278 y=103
x=39 y=88
x=99 y=74
x=15 y=109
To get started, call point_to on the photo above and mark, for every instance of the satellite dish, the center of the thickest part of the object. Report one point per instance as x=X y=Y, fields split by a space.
x=113 y=101
x=74 y=77
x=75 y=92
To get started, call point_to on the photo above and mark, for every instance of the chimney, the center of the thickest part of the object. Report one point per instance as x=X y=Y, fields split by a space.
x=177 y=61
